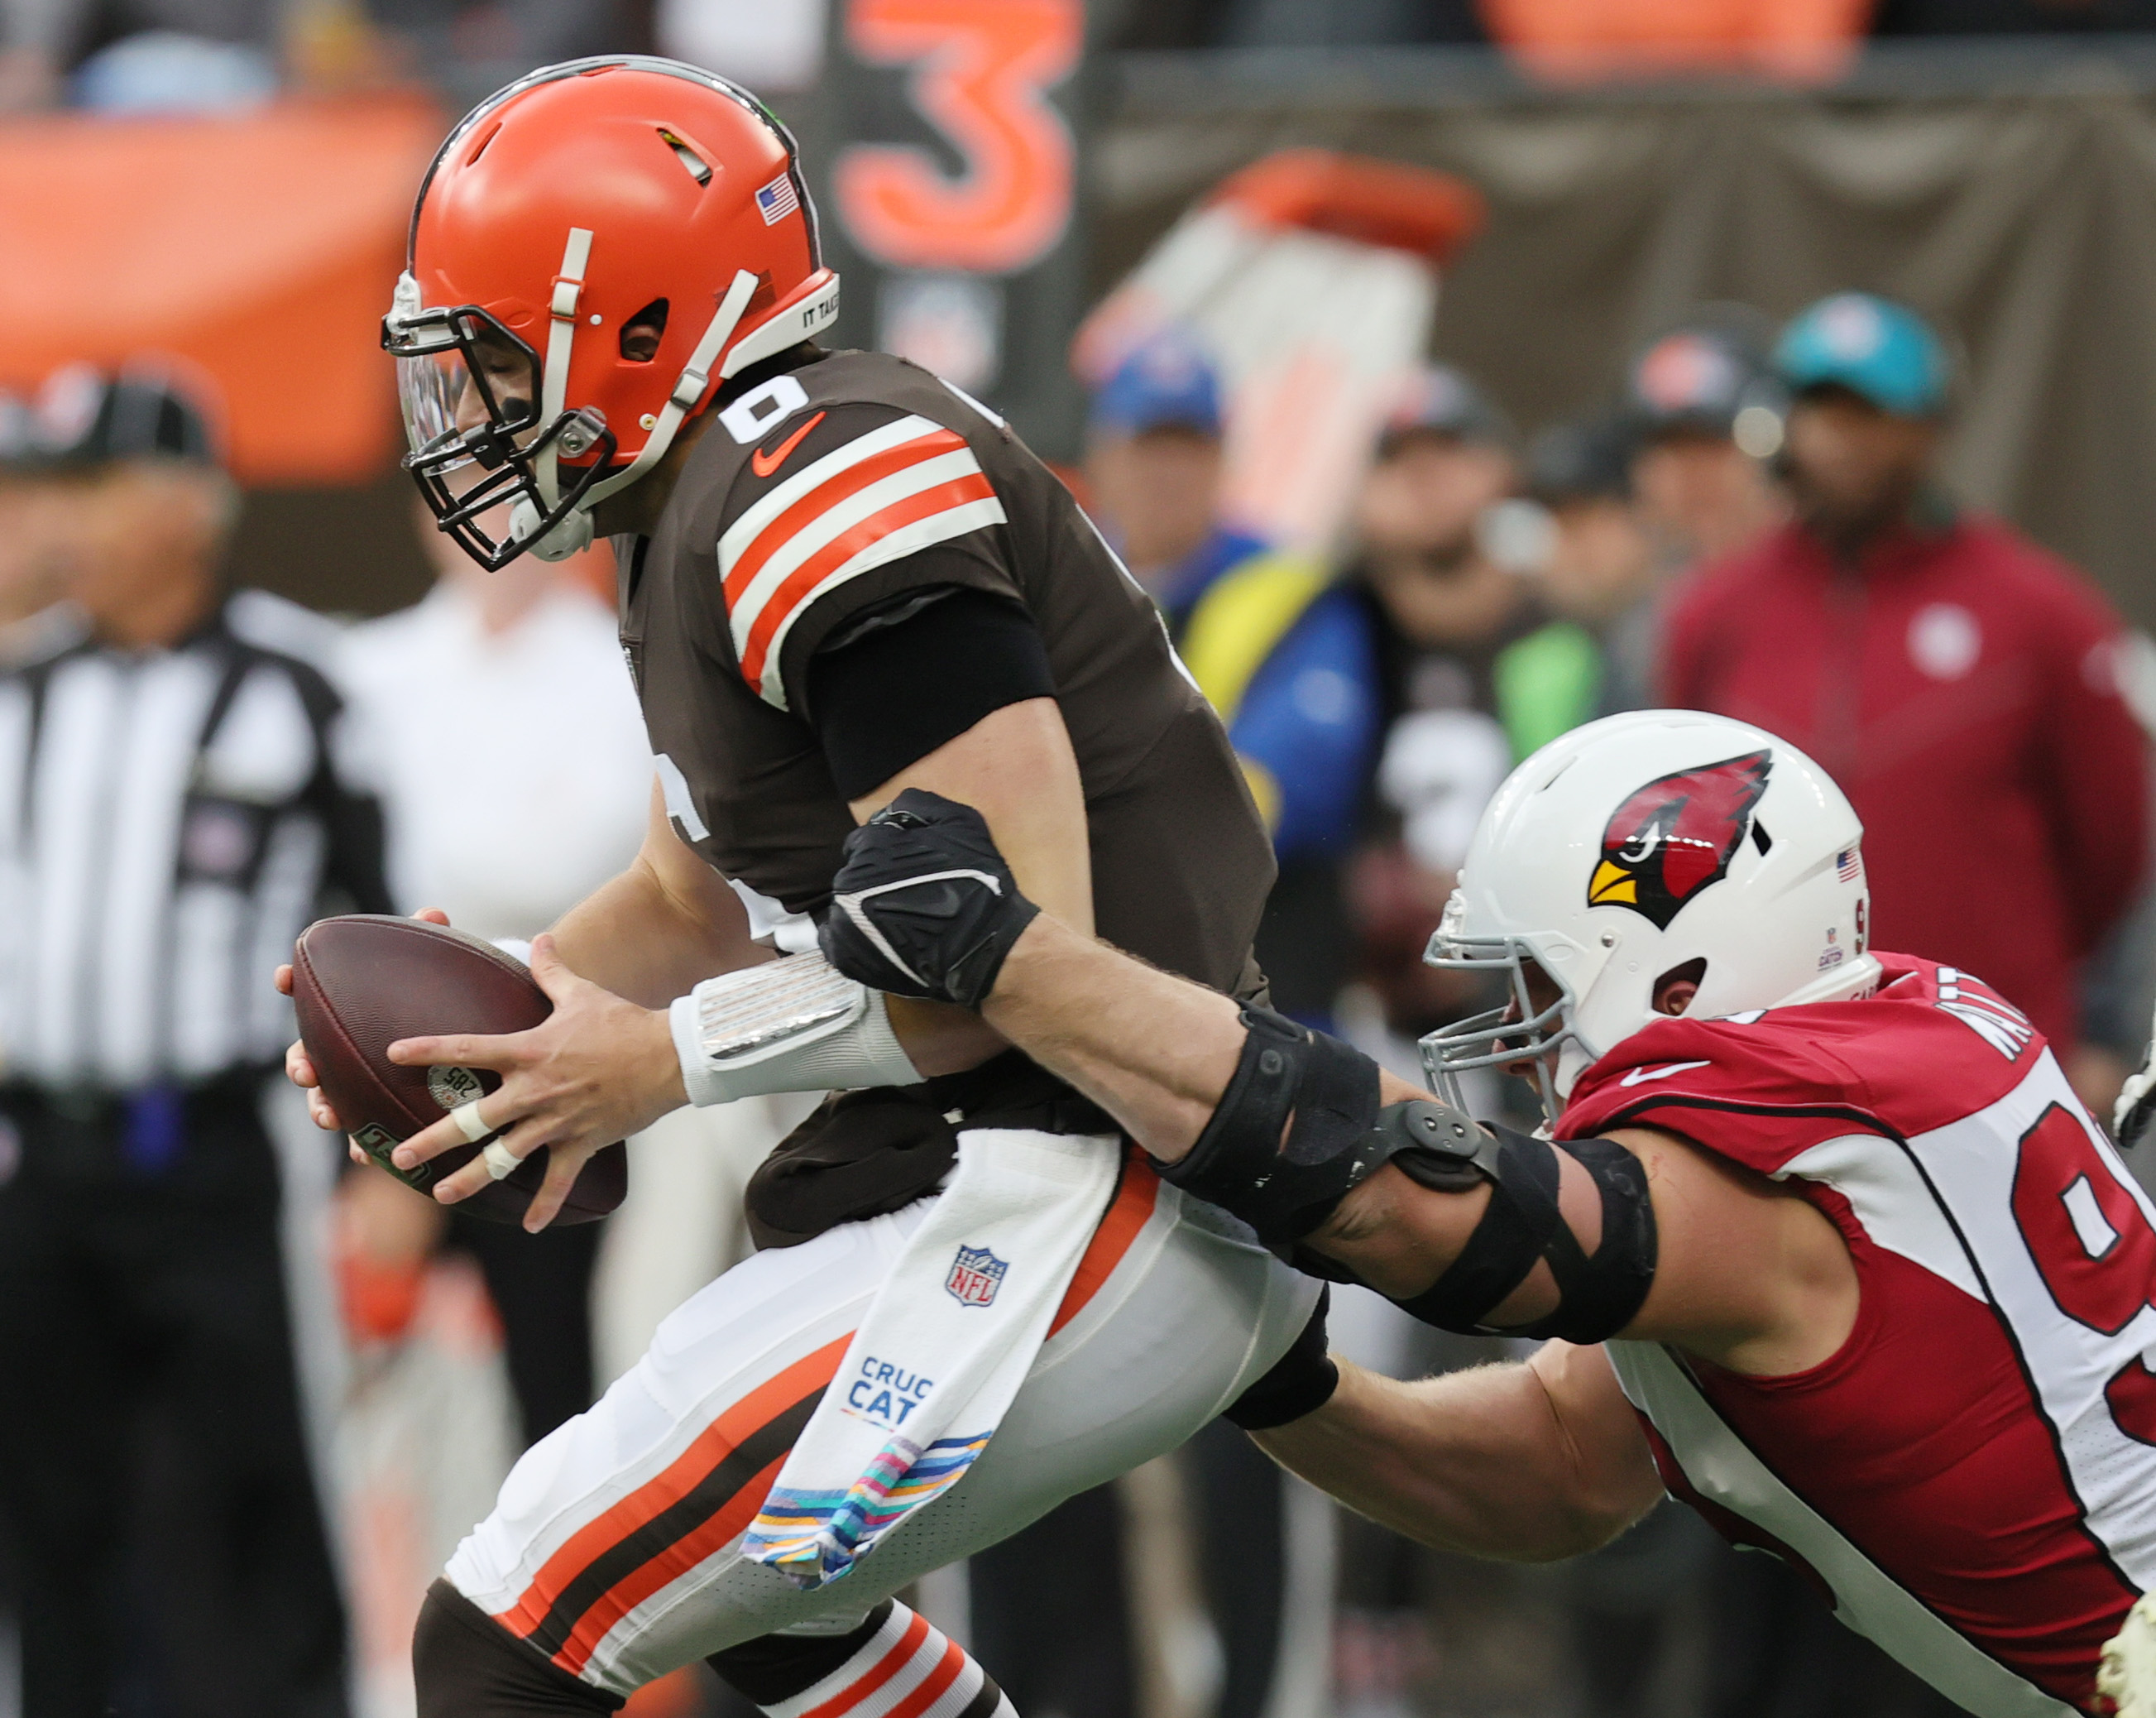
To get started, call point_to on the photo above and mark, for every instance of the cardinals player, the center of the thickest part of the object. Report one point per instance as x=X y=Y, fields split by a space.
x=1825 y=1244
x=840 y=578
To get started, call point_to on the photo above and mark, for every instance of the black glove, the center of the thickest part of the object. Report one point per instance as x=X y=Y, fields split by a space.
x=1302 y=1381
x=924 y=905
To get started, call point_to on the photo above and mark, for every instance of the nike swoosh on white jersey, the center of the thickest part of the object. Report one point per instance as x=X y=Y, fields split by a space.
x=1640 y=1076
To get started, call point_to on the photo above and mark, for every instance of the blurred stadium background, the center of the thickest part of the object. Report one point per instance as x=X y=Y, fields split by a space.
x=1007 y=188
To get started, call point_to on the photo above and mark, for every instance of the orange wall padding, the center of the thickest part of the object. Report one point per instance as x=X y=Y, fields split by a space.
x=1571 y=40
x=258 y=249
x=1359 y=196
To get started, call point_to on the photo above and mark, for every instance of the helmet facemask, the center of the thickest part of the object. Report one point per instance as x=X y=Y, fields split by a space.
x=1522 y=1030
x=453 y=364
x=471 y=391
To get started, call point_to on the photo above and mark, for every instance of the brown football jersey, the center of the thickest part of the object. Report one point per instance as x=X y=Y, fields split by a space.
x=840 y=486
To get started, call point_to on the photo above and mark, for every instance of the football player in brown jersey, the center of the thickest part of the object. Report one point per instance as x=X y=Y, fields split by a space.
x=840 y=577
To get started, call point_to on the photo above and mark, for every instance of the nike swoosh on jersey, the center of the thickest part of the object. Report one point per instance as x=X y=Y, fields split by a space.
x=1640 y=1076
x=881 y=497
x=763 y=464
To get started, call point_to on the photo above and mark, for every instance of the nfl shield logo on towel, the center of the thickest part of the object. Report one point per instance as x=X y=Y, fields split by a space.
x=976 y=1274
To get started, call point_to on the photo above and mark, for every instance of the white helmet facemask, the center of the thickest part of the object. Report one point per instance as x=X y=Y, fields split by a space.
x=1659 y=844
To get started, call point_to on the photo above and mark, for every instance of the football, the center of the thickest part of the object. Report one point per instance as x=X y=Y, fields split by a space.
x=364 y=981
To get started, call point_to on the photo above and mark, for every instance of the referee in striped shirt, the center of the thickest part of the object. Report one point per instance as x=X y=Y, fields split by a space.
x=172 y=811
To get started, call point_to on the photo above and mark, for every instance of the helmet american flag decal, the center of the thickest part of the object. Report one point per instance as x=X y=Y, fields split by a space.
x=777 y=200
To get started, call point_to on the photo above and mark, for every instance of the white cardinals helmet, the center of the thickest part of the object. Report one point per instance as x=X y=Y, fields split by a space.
x=1655 y=844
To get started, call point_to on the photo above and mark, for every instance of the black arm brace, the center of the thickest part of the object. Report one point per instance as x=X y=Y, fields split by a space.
x=1597 y=1295
x=1299 y=1127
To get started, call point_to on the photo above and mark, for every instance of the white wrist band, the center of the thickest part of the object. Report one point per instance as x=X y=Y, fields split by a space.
x=788 y=1025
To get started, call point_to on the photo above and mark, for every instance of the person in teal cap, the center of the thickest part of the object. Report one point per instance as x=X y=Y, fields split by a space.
x=1959 y=681
x=1881 y=352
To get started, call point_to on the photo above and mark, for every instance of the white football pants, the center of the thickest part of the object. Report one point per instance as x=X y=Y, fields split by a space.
x=615 y=1547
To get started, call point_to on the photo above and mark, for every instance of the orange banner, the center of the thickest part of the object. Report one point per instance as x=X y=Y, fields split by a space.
x=260 y=251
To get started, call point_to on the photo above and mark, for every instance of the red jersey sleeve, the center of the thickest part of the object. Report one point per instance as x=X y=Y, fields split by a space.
x=1758 y=1089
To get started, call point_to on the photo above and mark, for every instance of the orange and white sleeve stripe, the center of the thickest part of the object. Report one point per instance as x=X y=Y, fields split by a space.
x=883 y=495
x=907 y=1669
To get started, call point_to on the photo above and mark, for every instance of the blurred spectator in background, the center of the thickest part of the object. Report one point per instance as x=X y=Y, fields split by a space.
x=140 y=55
x=1674 y=476
x=1154 y=471
x=182 y=807
x=1961 y=683
x=36 y=557
x=468 y=48
x=1707 y=414
x=1286 y=657
x=1602 y=568
x=1474 y=675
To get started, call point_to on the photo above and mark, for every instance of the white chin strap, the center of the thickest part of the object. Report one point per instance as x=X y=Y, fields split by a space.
x=574 y=534
x=560 y=338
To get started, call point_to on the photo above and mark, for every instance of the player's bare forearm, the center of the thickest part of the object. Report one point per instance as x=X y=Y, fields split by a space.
x=661 y=927
x=1525 y=1462
x=1156 y=1051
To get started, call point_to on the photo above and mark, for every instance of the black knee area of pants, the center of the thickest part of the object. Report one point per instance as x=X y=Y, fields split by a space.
x=467 y=1665
x=777 y=1666
x=1301 y=1382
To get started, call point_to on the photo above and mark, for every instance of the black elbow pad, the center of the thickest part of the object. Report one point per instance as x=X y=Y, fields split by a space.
x=1299 y=1127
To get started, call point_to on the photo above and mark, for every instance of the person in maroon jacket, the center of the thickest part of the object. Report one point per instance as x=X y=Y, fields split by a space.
x=1959 y=681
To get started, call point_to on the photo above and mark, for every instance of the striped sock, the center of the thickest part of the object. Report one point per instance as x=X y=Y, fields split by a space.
x=894 y=1666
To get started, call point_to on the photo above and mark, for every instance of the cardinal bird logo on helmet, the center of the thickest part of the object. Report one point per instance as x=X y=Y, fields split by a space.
x=1675 y=835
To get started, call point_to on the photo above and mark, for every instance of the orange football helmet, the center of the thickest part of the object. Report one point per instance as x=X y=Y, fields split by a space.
x=594 y=249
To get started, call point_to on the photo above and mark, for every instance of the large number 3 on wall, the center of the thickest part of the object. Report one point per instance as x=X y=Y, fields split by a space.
x=982 y=72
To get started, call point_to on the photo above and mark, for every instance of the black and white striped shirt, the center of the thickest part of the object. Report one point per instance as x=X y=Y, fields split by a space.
x=169 y=821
